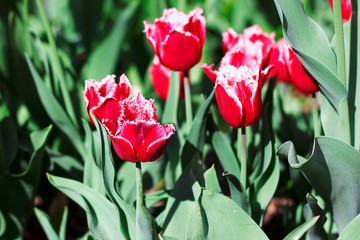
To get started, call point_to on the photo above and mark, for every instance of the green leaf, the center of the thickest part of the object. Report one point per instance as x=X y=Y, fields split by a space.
x=212 y=209
x=264 y=186
x=2 y=224
x=145 y=223
x=225 y=153
x=237 y=192
x=46 y=225
x=62 y=230
x=56 y=64
x=298 y=232
x=330 y=161
x=152 y=198
x=196 y=137
x=299 y=31
x=180 y=204
x=55 y=111
x=102 y=221
x=211 y=181
x=312 y=209
x=352 y=230
x=110 y=47
x=125 y=212
x=352 y=44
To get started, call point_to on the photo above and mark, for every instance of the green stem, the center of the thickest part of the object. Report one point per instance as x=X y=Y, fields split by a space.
x=139 y=196
x=341 y=70
x=315 y=111
x=243 y=158
x=188 y=107
x=57 y=65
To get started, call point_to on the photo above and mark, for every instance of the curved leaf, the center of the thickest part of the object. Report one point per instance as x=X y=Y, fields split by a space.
x=46 y=225
x=301 y=230
x=331 y=161
x=221 y=217
x=103 y=223
x=352 y=230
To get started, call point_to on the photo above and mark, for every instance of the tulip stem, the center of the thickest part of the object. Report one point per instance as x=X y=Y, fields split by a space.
x=139 y=197
x=340 y=55
x=315 y=111
x=188 y=107
x=243 y=160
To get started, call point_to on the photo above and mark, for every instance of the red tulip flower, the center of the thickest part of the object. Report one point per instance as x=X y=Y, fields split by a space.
x=288 y=68
x=177 y=38
x=301 y=79
x=96 y=93
x=238 y=95
x=279 y=59
x=345 y=9
x=251 y=48
x=133 y=128
x=161 y=76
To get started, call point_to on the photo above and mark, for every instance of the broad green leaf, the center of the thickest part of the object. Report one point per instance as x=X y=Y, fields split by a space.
x=125 y=212
x=180 y=204
x=102 y=221
x=352 y=230
x=299 y=31
x=237 y=192
x=55 y=111
x=3 y=43
x=221 y=217
x=68 y=164
x=110 y=47
x=46 y=225
x=225 y=153
x=211 y=180
x=298 y=232
x=330 y=119
x=330 y=161
x=92 y=172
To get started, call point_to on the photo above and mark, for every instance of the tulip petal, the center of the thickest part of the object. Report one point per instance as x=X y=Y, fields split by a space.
x=229 y=105
x=210 y=72
x=229 y=39
x=180 y=51
x=123 y=148
x=150 y=33
x=196 y=24
x=109 y=109
x=157 y=147
x=301 y=79
x=141 y=135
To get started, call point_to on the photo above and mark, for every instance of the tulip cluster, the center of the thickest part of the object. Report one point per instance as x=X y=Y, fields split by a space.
x=252 y=57
x=131 y=122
